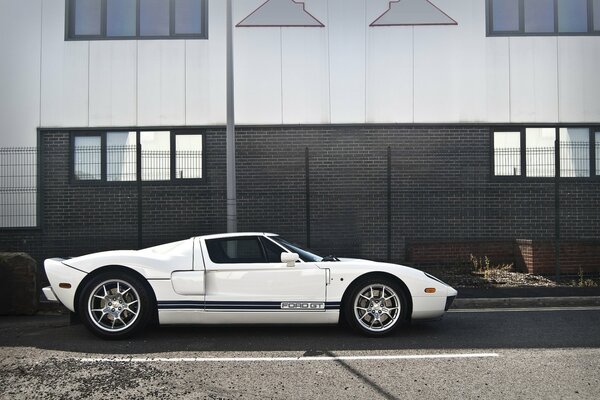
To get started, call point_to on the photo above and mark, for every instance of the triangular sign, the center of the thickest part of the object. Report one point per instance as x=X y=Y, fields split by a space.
x=280 y=13
x=413 y=12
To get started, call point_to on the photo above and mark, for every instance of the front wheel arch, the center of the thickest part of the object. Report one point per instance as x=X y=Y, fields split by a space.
x=357 y=280
x=120 y=269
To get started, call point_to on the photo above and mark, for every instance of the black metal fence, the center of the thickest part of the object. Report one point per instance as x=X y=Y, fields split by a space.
x=18 y=187
x=541 y=161
x=120 y=164
x=19 y=173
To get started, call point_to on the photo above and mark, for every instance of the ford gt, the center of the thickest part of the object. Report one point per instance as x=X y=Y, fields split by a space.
x=240 y=278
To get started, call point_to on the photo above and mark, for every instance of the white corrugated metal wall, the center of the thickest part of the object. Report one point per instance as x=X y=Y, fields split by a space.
x=346 y=72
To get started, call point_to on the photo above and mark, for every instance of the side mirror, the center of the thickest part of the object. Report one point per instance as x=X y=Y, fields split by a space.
x=289 y=258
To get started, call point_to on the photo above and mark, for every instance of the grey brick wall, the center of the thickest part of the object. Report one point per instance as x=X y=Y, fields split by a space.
x=442 y=192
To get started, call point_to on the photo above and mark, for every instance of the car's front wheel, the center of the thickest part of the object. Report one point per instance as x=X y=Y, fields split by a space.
x=375 y=306
x=115 y=305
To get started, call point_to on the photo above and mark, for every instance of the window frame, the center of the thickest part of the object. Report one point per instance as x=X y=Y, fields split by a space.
x=594 y=175
x=70 y=25
x=521 y=32
x=102 y=133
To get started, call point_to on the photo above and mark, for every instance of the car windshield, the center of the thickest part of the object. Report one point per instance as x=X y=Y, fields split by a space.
x=304 y=254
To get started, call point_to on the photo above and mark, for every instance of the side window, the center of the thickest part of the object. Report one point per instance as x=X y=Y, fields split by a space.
x=240 y=250
x=272 y=250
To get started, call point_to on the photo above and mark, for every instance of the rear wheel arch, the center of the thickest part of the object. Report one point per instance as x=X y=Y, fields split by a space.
x=357 y=281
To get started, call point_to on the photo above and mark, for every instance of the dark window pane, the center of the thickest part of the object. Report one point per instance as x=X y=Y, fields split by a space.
x=572 y=16
x=505 y=15
x=188 y=15
x=235 y=250
x=507 y=153
x=539 y=16
x=120 y=17
x=88 y=17
x=87 y=158
x=596 y=4
x=154 y=17
x=273 y=251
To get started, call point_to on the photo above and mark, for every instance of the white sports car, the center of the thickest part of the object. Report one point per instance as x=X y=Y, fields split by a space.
x=241 y=278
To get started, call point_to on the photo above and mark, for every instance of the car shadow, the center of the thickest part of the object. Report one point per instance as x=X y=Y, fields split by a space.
x=497 y=330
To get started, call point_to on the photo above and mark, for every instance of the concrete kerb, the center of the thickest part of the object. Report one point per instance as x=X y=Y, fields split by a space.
x=526 y=302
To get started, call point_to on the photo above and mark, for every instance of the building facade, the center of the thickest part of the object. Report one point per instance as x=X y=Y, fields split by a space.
x=416 y=131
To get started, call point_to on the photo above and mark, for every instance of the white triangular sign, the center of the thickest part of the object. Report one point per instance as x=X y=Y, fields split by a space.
x=413 y=12
x=280 y=13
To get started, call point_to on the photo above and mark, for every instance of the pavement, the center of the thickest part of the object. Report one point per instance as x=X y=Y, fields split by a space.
x=473 y=298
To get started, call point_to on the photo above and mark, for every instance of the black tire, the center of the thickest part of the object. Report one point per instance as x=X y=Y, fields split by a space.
x=137 y=305
x=379 y=284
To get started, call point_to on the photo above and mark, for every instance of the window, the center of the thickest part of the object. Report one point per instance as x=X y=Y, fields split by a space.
x=87 y=15
x=572 y=15
x=539 y=16
x=507 y=153
x=188 y=157
x=531 y=152
x=156 y=155
x=575 y=152
x=543 y=17
x=121 y=157
x=136 y=19
x=505 y=15
x=87 y=151
x=272 y=251
x=238 y=250
x=113 y=156
x=540 y=151
x=121 y=18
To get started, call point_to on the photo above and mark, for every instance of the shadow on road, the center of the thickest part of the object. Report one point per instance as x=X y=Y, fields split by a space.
x=557 y=329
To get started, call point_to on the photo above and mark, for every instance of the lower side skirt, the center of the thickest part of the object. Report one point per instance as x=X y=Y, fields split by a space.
x=201 y=317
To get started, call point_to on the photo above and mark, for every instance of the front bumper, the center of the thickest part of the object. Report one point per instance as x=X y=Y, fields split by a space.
x=449 y=301
x=49 y=293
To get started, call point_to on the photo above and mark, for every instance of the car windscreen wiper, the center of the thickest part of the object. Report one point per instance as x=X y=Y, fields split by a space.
x=330 y=258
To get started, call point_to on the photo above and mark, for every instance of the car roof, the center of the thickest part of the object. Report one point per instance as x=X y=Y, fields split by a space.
x=236 y=234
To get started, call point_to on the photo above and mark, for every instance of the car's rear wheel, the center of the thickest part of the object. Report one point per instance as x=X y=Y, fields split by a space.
x=115 y=305
x=375 y=306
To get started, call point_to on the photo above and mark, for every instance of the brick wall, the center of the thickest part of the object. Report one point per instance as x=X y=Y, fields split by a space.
x=445 y=204
x=81 y=218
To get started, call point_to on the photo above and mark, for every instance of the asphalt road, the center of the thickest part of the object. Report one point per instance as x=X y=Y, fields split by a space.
x=488 y=355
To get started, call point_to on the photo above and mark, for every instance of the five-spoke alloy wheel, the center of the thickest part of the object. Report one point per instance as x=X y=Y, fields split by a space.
x=375 y=306
x=115 y=305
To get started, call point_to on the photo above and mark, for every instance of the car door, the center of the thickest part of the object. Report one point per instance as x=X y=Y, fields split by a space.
x=246 y=273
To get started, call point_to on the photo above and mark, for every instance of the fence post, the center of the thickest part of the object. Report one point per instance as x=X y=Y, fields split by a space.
x=389 y=204
x=138 y=174
x=557 y=205
x=307 y=195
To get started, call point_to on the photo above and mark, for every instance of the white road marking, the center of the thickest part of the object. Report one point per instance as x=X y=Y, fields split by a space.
x=287 y=359
x=517 y=309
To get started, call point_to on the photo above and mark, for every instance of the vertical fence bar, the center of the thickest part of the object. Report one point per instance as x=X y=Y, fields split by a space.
x=557 y=205
x=307 y=195
x=389 y=204
x=138 y=174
